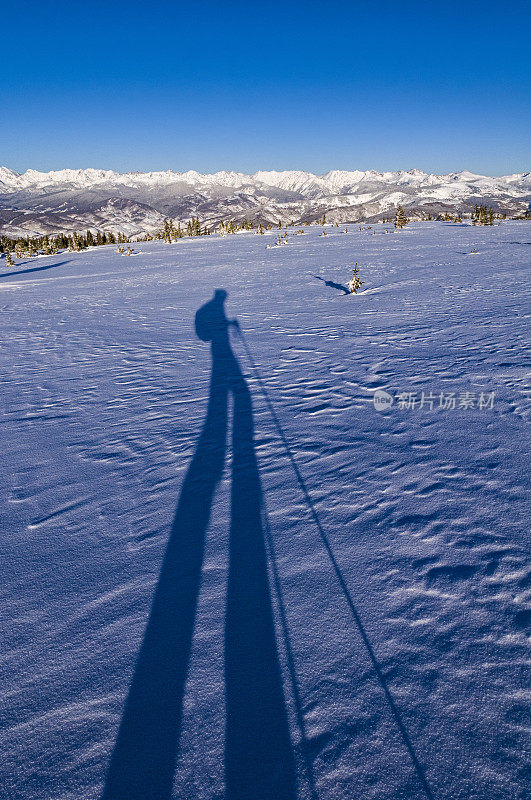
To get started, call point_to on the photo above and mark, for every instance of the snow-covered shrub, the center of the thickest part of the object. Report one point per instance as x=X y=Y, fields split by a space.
x=355 y=282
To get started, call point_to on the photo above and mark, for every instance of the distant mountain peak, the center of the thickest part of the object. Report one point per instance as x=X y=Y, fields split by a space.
x=35 y=202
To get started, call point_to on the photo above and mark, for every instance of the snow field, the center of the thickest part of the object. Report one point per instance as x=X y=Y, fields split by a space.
x=105 y=391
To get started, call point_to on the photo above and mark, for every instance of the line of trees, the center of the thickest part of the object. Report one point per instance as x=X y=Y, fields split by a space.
x=482 y=215
x=171 y=231
x=50 y=245
x=30 y=246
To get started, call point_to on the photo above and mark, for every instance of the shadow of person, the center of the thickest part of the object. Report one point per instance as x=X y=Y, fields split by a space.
x=332 y=285
x=259 y=761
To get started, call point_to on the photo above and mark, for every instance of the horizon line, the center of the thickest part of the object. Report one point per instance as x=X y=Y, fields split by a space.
x=170 y=170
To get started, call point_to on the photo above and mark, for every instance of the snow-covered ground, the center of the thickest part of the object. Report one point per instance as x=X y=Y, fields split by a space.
x=356 y=625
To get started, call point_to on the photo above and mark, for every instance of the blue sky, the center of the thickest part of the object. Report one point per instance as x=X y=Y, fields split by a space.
x=248 y=86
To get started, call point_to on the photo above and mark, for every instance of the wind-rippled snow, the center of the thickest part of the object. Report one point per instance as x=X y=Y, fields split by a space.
x=105 y=388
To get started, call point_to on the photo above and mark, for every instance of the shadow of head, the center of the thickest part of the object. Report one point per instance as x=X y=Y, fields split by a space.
x=211 y=323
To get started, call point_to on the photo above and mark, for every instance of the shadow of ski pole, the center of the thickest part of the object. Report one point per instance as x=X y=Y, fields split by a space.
x=341 y=580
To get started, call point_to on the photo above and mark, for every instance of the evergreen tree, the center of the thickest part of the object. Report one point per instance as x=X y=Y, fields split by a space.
x=355 y=282
x=401 y=219
x=194 y=227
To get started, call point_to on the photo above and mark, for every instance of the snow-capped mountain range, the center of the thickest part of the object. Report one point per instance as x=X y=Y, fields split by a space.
x=35 y=203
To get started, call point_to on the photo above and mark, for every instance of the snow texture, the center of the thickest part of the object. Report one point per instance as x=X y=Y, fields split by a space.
x=225 y=574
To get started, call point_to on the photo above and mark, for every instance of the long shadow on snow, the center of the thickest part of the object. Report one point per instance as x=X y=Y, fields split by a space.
x=332 y=285
x=33 y=269
x=259 y=760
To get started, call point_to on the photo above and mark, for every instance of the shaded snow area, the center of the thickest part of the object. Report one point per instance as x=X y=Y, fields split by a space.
x=235 y=578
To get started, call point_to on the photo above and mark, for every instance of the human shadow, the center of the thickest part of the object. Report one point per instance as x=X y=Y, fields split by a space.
x=332 y=285
x=259 y=760
x=33 y=269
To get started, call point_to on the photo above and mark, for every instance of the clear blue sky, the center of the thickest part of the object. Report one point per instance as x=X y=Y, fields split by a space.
x=246 y=86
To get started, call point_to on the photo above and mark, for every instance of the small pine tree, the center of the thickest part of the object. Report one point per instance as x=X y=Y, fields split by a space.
x=9 y=260
x=401 y=219
x=355 y=282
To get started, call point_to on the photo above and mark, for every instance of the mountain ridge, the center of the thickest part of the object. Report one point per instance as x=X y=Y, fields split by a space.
x=35 y=203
